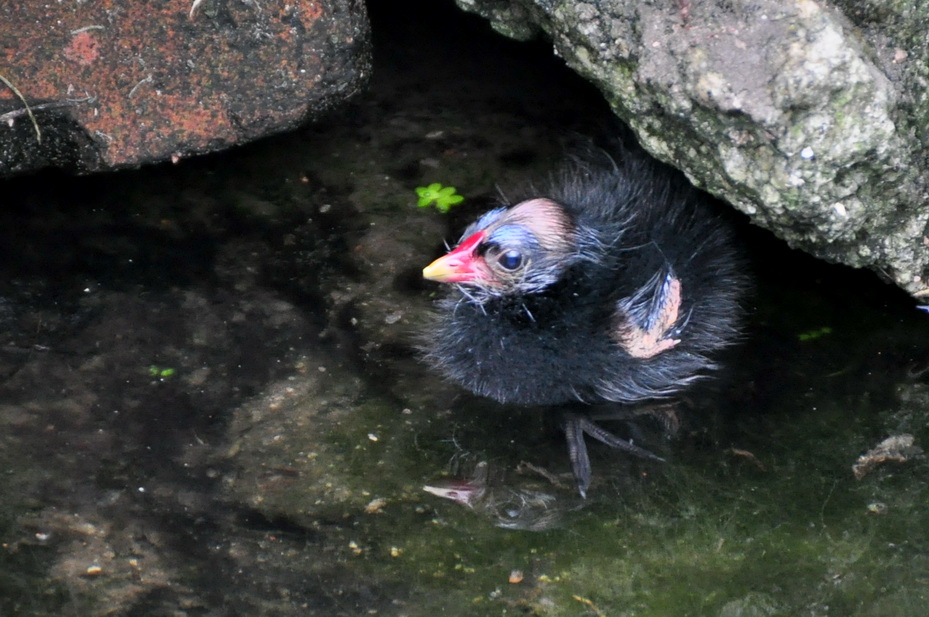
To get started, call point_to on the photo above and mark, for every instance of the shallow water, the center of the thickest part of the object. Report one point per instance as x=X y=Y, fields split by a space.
x=210 y=404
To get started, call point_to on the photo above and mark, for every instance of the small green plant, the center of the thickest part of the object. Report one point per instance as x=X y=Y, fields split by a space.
x=812 y=335
x=161 y=372
x=444 y=197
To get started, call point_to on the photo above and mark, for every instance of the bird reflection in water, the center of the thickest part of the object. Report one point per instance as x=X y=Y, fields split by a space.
x=511 y=505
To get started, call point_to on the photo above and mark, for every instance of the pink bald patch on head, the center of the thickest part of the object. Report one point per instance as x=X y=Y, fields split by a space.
x=548 y=222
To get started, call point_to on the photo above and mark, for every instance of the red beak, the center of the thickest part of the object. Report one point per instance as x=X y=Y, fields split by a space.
x=458 y=266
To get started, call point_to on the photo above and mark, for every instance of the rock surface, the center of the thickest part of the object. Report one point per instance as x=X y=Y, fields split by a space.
x=118 y=83
x=810 y=117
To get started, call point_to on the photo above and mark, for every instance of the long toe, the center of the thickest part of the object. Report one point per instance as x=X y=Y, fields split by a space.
x=577 y=452
x=604 y=436
x=576 y=427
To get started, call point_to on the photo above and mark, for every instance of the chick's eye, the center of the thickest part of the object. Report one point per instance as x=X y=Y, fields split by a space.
x=510 y=260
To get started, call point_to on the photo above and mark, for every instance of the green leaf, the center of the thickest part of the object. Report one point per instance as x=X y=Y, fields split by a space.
x=444 y=197
x=812 y=335
x=160 y=372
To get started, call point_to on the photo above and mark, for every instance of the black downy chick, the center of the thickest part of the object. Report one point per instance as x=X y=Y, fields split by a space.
x=617 y=283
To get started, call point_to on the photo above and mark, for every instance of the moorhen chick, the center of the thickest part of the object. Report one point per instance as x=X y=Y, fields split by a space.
x=616 y=283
